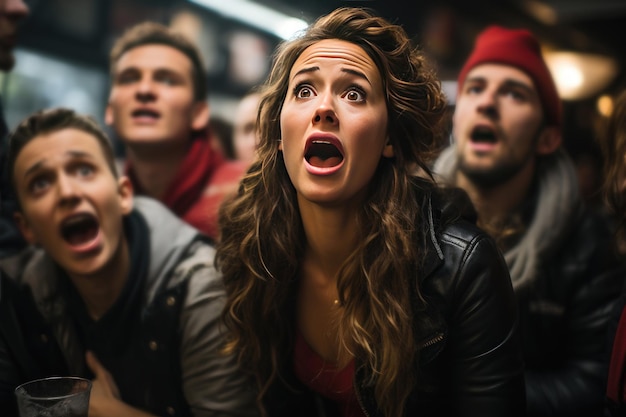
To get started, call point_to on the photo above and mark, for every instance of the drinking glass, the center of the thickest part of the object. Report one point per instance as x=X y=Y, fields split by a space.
x=54 y=397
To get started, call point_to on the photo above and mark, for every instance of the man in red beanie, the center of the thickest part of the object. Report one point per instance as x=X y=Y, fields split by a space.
x=507 y=156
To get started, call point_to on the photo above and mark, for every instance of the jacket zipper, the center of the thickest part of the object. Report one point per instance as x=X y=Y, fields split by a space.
x=358 y=397
x=437 y=338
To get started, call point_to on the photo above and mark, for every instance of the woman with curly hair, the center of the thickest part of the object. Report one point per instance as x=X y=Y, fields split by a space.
x=355 y=287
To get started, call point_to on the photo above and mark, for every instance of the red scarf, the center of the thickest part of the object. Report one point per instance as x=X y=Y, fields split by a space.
x=192 y=177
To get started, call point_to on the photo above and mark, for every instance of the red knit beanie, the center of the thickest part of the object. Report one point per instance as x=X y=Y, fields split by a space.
x=520 y=49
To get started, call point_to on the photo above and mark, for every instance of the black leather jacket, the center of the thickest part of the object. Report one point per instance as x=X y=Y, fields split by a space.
x=471 y=362
x=564 y=317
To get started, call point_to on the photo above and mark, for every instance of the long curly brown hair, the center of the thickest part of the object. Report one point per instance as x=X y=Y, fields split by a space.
x=614 y=150
x=262 y=238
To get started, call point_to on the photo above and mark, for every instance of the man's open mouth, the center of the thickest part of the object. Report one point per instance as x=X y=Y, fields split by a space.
x=323 y=154
x=80 y=229
x=146 y=113
x=482 y=134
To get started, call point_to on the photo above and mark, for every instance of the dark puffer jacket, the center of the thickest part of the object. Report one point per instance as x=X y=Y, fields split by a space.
x=470 y=362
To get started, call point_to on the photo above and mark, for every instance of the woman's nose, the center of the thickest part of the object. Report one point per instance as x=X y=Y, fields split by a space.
x=325 y=112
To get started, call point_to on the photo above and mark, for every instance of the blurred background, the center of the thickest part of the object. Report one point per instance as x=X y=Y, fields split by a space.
x=62 y=57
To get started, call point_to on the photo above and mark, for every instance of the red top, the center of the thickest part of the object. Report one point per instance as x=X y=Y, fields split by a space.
x=616 y=387
x=326 y=379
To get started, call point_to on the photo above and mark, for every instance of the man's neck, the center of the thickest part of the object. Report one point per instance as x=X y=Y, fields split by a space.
x=100 y=291
x=155 y=171
x=497 y=202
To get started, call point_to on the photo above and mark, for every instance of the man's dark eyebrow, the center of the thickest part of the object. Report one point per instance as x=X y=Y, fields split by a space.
x=126 y=71
x=158 y=71
x=518 y=84
x=167 y=71
x=509 y=82
x=74 y=154
x=33 y=168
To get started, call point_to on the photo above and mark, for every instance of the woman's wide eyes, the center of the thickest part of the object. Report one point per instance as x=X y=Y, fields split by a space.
x=303 y=92
x=355 y=95
x=352 y=94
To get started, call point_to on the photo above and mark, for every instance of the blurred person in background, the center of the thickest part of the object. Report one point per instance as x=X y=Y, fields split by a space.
x=245 y=135
x=507 y=155
x=158 y=108
x=614 y=150
x=13 y=365
x=222 y=136
x=12 y=12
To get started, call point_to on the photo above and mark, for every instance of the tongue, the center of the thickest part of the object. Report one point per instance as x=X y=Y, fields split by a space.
x=325 y=162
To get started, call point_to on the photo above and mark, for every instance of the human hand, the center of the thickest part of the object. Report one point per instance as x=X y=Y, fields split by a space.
x=104 y=392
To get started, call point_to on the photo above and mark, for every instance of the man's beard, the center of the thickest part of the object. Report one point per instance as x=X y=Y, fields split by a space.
x=491 y=177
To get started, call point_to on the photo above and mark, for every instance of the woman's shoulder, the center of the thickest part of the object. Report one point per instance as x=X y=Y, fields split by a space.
x=447 y=210
x=452 y=238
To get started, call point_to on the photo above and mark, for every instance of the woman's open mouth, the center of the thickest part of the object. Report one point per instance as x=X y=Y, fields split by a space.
x=323 y=153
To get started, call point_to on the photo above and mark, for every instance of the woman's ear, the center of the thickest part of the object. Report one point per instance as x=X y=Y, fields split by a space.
x=549 y=140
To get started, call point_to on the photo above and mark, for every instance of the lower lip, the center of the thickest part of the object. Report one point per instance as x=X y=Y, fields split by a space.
x=145 y=119
x=483 y=146
x=319 y=171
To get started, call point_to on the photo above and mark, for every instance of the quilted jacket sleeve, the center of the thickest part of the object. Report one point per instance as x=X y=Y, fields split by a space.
x=212 y=382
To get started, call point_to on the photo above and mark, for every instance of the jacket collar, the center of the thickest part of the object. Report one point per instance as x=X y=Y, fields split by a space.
x=433 y=252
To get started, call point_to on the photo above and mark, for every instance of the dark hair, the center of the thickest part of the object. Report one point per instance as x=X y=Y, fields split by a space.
x=262 y=239
x=52 y=120
x=151 y=33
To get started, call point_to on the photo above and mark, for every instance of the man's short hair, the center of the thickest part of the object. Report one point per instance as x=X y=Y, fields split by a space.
x=50 y=121
x=152 y=33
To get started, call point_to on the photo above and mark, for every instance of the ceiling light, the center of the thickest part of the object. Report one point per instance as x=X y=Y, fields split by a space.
x=541 y=11
x=605 y=105
x=257 y=15
x=580 y=75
